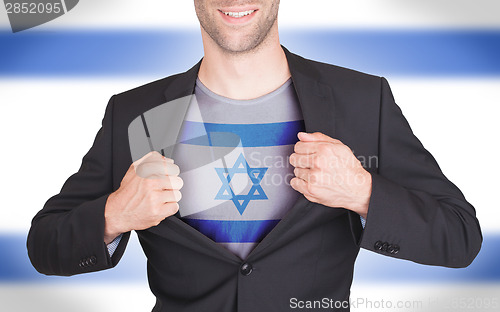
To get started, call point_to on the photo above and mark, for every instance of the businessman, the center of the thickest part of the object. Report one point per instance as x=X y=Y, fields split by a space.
x=215 y=243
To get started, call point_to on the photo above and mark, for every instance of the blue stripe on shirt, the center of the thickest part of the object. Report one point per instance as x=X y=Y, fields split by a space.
x=251 y=135
x=222 y=231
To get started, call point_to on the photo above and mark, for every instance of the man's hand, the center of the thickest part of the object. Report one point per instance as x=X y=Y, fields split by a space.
x=327 y=172
x=148 y=193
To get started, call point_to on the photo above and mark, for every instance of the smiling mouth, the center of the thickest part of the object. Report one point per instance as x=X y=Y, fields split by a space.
x=238 y=14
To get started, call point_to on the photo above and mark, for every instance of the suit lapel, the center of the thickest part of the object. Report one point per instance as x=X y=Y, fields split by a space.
x=183 y=85
x=158 y=127
x=317 y=105
x=318 y=110
x=315 y=98
x=178 y=97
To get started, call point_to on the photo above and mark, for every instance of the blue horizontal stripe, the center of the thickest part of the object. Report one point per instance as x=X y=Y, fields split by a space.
x=221 y=231
x=160 y=53
x=250 y=135
x=15 y=267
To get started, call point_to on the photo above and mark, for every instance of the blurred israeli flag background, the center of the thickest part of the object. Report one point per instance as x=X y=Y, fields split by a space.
x=441 y=57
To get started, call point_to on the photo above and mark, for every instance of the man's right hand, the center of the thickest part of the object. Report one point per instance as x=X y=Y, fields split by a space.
x=149 y=193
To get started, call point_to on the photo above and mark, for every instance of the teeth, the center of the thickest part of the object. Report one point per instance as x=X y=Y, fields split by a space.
x=239 y=14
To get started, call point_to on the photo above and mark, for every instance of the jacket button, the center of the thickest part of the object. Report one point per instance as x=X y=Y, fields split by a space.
x=378 y=245
x=385 y=245
x=395 y=249
x=246 y=269
x=82 y=263
x=390 y=249
x=93 y=260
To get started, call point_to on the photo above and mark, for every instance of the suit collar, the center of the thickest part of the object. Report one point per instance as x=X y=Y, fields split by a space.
x=315 y=97
x=183 y=84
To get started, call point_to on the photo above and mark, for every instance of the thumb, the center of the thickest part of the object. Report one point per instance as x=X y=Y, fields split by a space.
x=152 y=156
x=316 y=136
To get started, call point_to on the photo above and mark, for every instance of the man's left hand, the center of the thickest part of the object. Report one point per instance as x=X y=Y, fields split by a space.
x=327 y=172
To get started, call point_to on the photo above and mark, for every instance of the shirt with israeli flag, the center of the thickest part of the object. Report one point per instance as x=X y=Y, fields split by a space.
x=233 y=157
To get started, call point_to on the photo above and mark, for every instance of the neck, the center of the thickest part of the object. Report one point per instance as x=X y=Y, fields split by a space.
x=244 y=76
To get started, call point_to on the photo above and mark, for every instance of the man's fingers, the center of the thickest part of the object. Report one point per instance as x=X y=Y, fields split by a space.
x=312 y=147
x=138 y=162
x=301 y=186
x=302 y=173
x=157 y=169
x=170 y=196
x=172 y=169
x=302 y=161
x=172 y=183
x=171 y=208
x=298 y=184
x=152 y=156
x=316 y=136
x=303 y=147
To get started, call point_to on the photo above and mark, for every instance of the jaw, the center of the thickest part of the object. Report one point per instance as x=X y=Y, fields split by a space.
x=240 y=42
x=237 y=29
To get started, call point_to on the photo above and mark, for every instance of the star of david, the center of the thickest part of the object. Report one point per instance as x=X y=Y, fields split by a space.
x=255 y=175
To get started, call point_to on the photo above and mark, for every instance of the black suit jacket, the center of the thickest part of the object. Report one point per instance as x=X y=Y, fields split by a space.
x=415 y=212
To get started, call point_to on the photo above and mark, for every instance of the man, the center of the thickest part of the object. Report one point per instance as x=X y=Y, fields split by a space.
x=235 y=257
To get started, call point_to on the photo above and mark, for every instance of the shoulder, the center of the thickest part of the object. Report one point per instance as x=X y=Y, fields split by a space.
x=132 y=103
x=336 y=76
x=152 y=91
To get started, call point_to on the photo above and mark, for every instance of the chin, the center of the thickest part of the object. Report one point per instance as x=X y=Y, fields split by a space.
x=239 y=44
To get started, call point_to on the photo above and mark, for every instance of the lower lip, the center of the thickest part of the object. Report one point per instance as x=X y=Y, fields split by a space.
x=237 y=20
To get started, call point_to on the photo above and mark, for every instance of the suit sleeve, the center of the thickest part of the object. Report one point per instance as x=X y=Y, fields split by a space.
x=67 y=236
x=415 y=212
